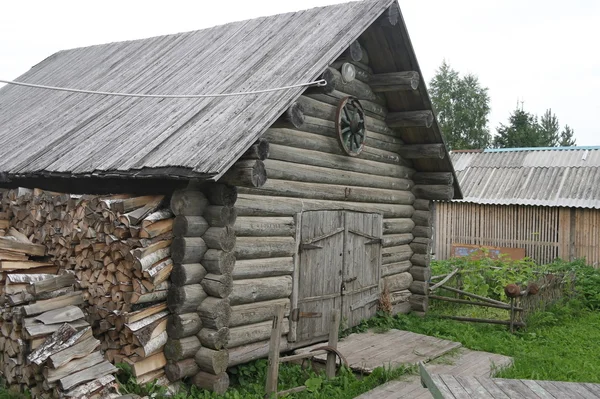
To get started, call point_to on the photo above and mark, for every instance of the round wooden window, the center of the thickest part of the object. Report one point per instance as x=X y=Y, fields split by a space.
x=350 y=126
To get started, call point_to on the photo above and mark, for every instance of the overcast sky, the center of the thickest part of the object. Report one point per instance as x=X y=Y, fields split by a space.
x=543 y=52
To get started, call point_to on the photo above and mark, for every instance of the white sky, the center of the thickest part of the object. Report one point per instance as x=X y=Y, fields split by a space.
x=543 y=52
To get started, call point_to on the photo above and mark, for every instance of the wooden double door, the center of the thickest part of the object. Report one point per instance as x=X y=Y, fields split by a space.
x=339 y=268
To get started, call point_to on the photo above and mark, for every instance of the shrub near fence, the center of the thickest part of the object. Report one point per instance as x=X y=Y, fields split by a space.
x=552 y=287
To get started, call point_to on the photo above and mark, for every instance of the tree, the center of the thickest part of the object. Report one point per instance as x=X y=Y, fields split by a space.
x=549 y=129
x=462 y=106
x=566 y=137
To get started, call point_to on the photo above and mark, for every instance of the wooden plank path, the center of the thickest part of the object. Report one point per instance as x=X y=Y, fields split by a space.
x=463 y=362
x=367 y=351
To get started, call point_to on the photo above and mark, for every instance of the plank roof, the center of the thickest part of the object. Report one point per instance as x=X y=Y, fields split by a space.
x=556 y=176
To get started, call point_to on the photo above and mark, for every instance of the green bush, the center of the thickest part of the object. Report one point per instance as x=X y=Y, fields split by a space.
x=587 y=280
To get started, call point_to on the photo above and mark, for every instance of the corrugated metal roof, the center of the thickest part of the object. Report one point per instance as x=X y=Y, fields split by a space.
x=568 y=176
x=66 y=134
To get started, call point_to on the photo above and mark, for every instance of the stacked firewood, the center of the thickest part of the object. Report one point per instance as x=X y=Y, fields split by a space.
x=119 y=250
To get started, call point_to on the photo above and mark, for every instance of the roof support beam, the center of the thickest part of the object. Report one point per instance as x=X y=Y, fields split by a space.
x=410 y=119
x=394 y=81
x=421 y=151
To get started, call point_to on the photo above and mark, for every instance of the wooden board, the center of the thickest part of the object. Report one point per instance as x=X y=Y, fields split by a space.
x=477 y=251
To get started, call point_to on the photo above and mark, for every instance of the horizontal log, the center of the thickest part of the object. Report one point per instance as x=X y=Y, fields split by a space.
x=423 y=218
x=246 y=173
x=214 y=339
x=219 y=216
x=398 y=282
x=398 y=226
x=322 y=191
x=215 y=312
x=419 y=303
x=189 y=226
x=401 y=308
x=434 y=192
x=217 y=285
x=420 y=273
x=395 y=268
x=22 y=247
x=186 y=274
x=423 y=151
x=249 y=334
x=185 y=299
x=422 y=231
x=188 y=202
x=176 y=371
x=354 y=52
x=394 y=81
x=421 y=245
x=258 y=150
x=426 y=178
x=400 y=296
x=257 y=312
x=487 y=321
x=265 y=226
x=423 y=205
x=318 y=157
x=183 y=325
x=179 y=349
x=216 y=383
x=336 y=96
x=212 y=361
x=263 y=289
x=259 y=268
x=223 y=194
x=248 y=353
x=264 y=247
x=218 y=262
x=293 y=117
x=395 y=254
x=188 y=249
x=221 y=238
x=392 y=240
x=410 y=119
x=420 y=260
x=258 y=205
x=419 y=287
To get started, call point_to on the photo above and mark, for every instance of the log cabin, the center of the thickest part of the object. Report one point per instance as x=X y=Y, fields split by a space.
x=313 y=197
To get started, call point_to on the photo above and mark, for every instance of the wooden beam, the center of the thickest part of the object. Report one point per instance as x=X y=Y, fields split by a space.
x=434 y=192
x=292 y=118
x=421 y=178
x=421 y=151
x=390 y=17
x=258 y=150
x=394 y=81
x=246 y=173
x=410 y=119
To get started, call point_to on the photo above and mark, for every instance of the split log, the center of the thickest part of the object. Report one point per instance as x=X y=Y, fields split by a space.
x=435 y=192
x=219 y=216
x=225 y=195
x=219 y=262
x=53 y=375
x=423 y=151
x=246 y=173
x=420 y=273
x=394 y=81
x=422 y=218
x=248 y=226
x=249 y=334
x=183 y=325
x=217 y=383
x=266 y=267
x=419 y=287
x=258 y=150
x=215 y=312
x=185 y=299
x=157 y=229
x=51 y=284
x=222 y=238
x=79 y=350
x=423 y=205
x=73 y=298
x=147 y=261
x=189 y=226
x=176 y=371
x=188 y=202
x=395 y=268
x=435 y=178
x=186 y=274
x=211 y=361
x=420 y=260
x=410 y=119
x=94 y=387
x=153 y=345
x=423 y=231
x=419 y=303
x=188 y=249
x=149 y=364
x=89 y=374
x=398 y=226
x=13 y=245
x=179 y=349
x=293 y=117
x=395 y=254
x=214 y=339
x=264 y=247
x=217 y=285
x=398 y=282
x=256 y=290
x=257 y=312
x=62 y=315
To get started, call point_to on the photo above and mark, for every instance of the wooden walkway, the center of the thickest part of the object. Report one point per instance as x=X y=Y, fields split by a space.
x=463 y=362
x=367 y=351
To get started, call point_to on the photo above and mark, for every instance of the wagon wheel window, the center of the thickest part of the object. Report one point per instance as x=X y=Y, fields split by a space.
x=350 y=126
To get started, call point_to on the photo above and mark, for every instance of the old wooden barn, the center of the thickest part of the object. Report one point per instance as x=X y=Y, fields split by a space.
x=314 y=198
x=545 y=200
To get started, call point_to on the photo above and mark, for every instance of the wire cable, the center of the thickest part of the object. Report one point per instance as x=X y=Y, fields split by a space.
x=318 y=83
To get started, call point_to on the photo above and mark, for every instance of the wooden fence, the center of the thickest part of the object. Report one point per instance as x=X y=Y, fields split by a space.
x=546 y=233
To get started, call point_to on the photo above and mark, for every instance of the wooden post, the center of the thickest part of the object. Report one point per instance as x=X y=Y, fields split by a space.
x=333 y=341
x=273 y=370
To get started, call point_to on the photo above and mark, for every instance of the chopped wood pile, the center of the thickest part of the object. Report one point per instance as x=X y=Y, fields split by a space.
x=117 y=249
